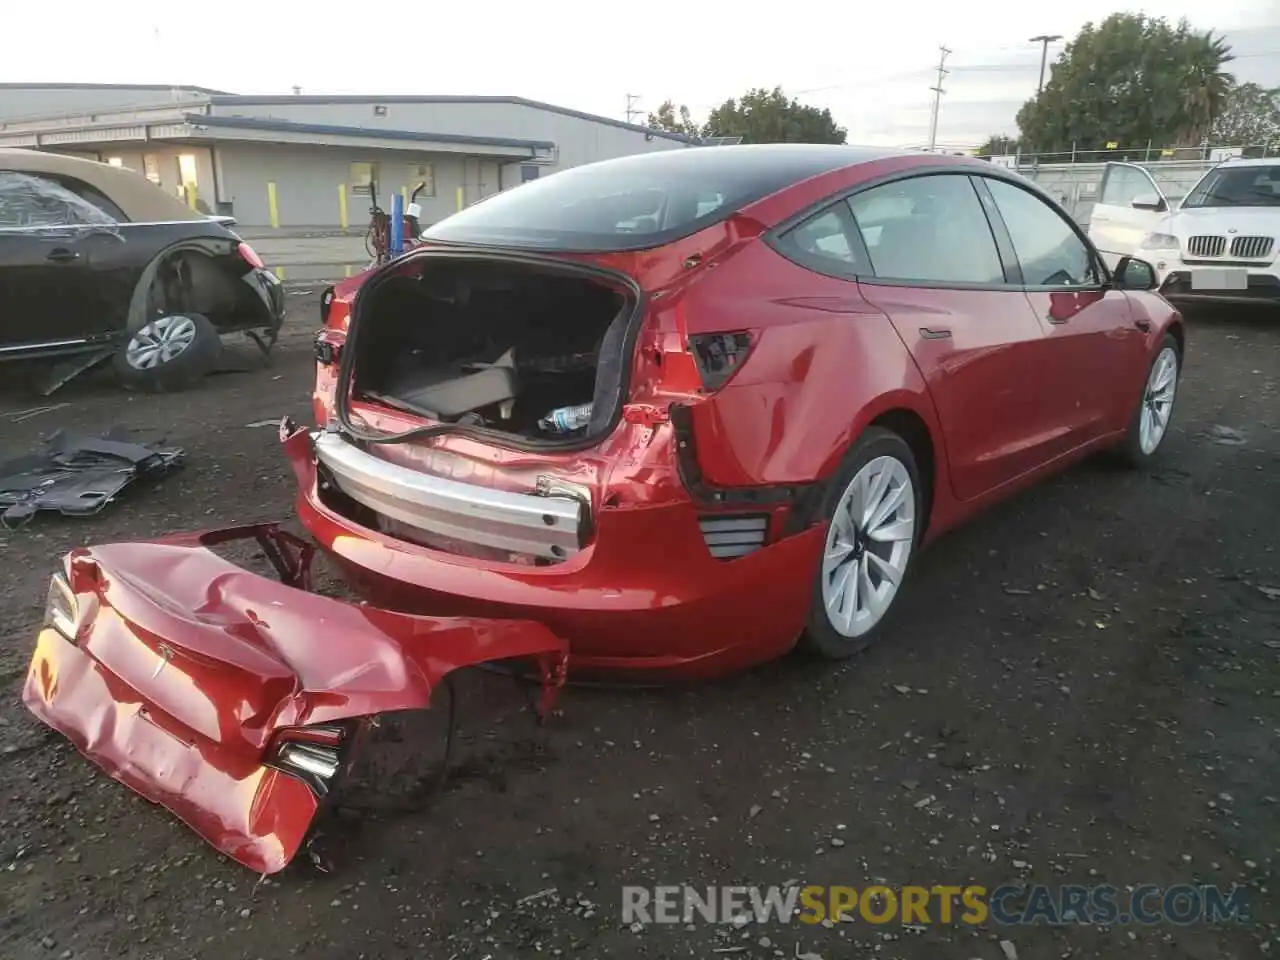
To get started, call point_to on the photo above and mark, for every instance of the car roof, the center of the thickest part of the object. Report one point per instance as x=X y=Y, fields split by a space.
x=139 y=199
x=774 y=163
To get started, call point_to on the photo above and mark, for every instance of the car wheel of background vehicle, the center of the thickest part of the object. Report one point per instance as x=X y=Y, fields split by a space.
x=169 y=353
x=872 y=508
x=1150 y=423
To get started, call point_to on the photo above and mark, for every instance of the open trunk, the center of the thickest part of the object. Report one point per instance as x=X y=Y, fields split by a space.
x=530 y=348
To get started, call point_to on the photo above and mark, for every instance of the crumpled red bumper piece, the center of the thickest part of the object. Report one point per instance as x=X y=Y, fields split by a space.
x=178 y=672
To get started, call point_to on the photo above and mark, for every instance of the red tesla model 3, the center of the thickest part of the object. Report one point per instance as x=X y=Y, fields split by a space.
x=691 y=407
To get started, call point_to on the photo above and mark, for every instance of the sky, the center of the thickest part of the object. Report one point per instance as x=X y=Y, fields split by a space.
x=871 y=64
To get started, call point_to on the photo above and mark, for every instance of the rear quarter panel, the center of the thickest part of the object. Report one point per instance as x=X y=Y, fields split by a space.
x=825 y=364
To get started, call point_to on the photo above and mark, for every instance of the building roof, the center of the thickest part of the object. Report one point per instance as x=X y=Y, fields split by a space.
x=232 y=100
x=334 y=130
x=207 y=91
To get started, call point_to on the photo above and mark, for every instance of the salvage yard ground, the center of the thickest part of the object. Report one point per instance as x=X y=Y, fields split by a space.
x=1084 y=687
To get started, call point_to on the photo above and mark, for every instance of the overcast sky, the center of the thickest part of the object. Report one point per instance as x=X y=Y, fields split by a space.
x=870 y=63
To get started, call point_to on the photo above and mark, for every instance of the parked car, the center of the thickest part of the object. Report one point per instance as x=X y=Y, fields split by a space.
x=684 y=437
x=96 y=261
x=1218 y=244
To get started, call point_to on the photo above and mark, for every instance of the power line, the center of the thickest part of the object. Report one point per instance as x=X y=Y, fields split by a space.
x=632 y=109
x=938 y=91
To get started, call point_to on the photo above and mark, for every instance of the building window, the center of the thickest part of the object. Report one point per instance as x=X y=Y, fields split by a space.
x=115 y=161
x=528 y=172
x=364 y=177
x=422 y=173
x=151 y=164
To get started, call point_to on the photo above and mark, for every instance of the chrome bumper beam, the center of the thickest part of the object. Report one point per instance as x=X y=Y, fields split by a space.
x=527 y=524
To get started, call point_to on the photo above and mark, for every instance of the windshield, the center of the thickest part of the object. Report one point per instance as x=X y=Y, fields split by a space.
x=1252 y=186
x=632 y=203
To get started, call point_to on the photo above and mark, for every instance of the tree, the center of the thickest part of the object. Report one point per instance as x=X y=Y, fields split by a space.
x=998 y=145
x=1250 y=117
x=769 y=116
x=1130 y=80
x=674 y=120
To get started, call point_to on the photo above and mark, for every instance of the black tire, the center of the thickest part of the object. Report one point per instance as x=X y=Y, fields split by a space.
x=193 y=363
x=820 y=638
x=1130 y=449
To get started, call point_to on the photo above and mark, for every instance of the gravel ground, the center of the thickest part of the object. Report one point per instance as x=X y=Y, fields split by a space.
x=1083 y=688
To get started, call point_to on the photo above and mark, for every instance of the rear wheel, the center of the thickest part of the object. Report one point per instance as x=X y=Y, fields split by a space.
x=169 y=353
x=1151 y=420
x=872 y=509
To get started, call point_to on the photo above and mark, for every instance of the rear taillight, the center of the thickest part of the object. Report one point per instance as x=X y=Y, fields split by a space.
x=60 y=607
x=250 y=256
x=718 y=355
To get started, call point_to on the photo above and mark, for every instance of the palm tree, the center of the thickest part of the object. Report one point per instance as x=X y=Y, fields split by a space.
x=1205 y=84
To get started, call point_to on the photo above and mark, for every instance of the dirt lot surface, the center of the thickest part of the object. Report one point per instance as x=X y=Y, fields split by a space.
x=1083 y=688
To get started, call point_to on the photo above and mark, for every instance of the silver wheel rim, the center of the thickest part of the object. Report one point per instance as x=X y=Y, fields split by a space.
x=159 y=342
x=1157 y=400
x=868 y=546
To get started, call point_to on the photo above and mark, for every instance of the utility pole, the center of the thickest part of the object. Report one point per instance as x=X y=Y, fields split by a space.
x=1044 y=40
x=632 y=109
x=938 y=91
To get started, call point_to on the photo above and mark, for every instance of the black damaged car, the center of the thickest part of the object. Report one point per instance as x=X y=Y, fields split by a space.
x=98 y=263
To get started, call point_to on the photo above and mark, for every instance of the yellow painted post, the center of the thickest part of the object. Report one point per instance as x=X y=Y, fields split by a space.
x=193 y=196
x=342 y=206
x=461 y=195
x=279 y=270
x=272 y=208
x=346 y=270
x=404 y=196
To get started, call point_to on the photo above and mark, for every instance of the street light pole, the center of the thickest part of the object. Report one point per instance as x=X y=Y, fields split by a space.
x=1044 y=40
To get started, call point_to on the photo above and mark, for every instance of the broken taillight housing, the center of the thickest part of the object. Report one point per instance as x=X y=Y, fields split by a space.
x=60 y=607
x=250 y=256
x=312 y=754
x=718 y=355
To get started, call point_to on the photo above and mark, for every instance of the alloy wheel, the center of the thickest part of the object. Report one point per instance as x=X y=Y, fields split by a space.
x=159 y=342
x=1157 y=401
x=868 y=546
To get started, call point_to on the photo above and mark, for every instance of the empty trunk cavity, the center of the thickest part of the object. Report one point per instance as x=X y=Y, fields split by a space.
x=532 y=350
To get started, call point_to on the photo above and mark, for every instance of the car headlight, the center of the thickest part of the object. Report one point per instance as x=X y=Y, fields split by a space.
x=60 y=607
x=1159 y=241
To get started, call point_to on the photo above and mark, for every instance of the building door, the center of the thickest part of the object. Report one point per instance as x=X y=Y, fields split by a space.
x=188 y=180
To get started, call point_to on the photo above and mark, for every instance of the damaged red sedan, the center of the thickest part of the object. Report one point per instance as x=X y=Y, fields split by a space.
x=689 y=407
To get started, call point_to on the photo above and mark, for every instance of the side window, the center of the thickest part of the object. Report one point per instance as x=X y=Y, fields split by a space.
x=929 y=228
x=1122 y=184
x=822 y=243
x=27 y=200
x=95 y=197
x=1050 y=252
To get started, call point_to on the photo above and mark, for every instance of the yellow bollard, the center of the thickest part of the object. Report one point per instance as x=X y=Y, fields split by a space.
x=279 y=270
x=193 y=196
x=346 y=270
x=461 y=195
x=404 y=197
x=272 y=208
x=342 y=206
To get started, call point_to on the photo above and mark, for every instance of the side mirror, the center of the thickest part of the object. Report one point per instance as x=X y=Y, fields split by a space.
x=1150 y=201
x=1134 y=274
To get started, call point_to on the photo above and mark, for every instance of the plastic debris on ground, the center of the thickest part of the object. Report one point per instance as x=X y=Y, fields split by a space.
x=78 y=475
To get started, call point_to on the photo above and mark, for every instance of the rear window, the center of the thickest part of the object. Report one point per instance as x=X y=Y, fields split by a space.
x=631 y=203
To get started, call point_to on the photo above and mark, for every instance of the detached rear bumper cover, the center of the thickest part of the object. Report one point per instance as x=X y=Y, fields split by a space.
x=183 y=669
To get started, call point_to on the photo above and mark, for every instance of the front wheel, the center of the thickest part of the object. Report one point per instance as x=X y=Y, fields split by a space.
x=1150 y=423
x=872 y=509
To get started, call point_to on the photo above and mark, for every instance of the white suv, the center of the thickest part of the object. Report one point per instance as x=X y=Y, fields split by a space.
x=1219 y=243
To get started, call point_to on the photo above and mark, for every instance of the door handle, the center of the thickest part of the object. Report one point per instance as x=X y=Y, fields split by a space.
x=935 y=334
x=63 y=255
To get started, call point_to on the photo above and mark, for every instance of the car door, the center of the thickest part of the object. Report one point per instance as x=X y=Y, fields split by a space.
x=1092 y=343
x=939 y=277
x=1130 y=205
x=44 y=278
